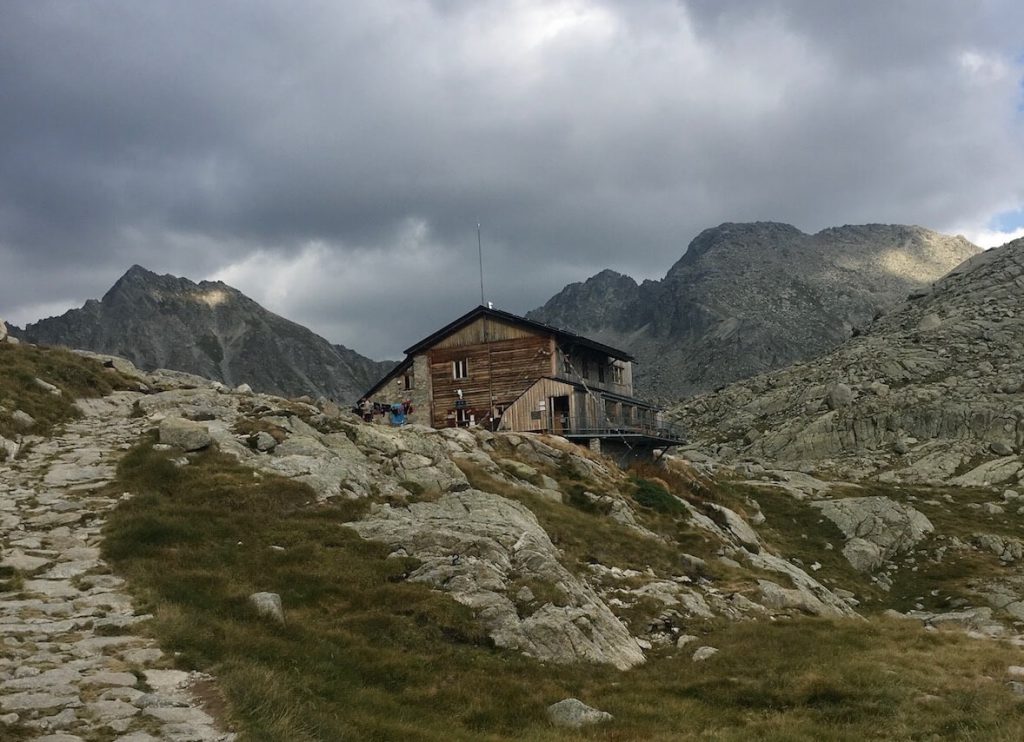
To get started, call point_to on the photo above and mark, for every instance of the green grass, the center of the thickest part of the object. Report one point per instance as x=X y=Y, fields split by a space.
x=74 y=375
x=366 y=655
x=655 y=496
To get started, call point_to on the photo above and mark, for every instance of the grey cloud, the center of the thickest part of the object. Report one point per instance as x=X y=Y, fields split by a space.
x=185 y=136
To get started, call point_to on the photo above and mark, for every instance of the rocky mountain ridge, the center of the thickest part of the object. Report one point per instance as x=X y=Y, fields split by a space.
x=932 y=392
x=212 y=330
x=747 y=298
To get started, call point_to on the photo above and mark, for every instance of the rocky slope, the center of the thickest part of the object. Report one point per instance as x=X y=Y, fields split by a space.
x=212 y=330
x=932 y=392
x=747 y=298
x=559 y=554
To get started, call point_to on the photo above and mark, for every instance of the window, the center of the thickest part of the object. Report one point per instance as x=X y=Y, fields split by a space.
x=460 y=369
x=566 y=366
x=408 y=381
x=617 y=374
x=584 y=368
x=600 y=372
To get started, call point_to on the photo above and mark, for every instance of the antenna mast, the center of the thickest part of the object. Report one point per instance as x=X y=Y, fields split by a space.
x=480 y=250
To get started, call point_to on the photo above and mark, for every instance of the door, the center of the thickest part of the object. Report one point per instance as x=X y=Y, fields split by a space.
x=559 y=407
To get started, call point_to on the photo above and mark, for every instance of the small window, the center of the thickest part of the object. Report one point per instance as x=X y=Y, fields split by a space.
x=566 y=366
x=600 y=373
x=460 y=369
x=408 y=381
x=617 y=374
x=584 y=368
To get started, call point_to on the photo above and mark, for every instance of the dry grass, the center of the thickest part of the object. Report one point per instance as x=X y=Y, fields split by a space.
x=74 y=375
x=366 y=655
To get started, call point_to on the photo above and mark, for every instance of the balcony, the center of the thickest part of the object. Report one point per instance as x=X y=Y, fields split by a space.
x=649 y=432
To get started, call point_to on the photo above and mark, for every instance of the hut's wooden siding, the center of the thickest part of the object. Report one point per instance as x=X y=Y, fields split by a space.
x=473 y=334
x=519 y=416
x=504 y=368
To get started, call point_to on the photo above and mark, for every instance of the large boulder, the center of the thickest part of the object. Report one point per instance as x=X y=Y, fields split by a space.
x=572 y=713
x=878 y=528
x=184 y=434
x=478 y=546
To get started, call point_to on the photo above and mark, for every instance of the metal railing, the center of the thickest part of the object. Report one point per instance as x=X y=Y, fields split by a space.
x=587 y=426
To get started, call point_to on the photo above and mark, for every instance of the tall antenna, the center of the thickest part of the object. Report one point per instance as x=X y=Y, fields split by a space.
x=480 y=250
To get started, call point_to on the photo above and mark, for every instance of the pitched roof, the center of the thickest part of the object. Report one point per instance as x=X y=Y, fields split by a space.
x=481 y=311
x=564 y=336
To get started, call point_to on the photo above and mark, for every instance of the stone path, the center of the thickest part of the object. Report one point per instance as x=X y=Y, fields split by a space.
x=70 y=667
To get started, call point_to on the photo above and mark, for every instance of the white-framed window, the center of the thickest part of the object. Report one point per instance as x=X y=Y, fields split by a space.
x=617 y=374
x=460 y=369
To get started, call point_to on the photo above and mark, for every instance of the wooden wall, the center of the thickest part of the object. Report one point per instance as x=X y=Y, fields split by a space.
x=519 y=416
x=473 y=333
x=504 y=368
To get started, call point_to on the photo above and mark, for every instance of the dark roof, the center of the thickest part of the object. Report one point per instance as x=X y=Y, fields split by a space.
x=604 y=393
x=400 y=368
x=481 y=311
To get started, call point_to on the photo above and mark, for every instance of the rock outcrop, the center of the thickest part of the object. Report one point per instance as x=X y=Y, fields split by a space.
x=877 y=528
x=748 y=298
x=477 y=546
x=932 y=392
x=212 y=330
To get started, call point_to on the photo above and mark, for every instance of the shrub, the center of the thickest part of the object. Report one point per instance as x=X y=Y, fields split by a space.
x=652 y=495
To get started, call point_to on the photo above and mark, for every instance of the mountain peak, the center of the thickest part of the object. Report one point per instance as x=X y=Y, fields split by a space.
x=751 y=296
x=209 y=329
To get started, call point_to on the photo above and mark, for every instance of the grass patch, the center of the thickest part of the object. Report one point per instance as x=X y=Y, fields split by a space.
x=74 y=375
x=797 y=530
x=11 y=580
x=366 y=655
x=651 y=494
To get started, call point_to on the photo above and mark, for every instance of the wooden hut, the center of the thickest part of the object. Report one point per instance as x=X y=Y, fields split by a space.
x=505 y=372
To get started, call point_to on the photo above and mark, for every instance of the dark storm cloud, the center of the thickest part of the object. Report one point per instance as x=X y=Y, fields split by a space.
x=332 y=159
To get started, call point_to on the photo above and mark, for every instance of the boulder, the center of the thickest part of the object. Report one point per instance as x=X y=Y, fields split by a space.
x=838 y=396
x=991 y=472
x=1000 y=448
x=184 y=434
x=572 y=713
x=475 y=546
x=704 y=653
x=264 y=441
x=47 y=387
x=268 y=605
x=776 y=596
x=22 y=420
x=877 y=528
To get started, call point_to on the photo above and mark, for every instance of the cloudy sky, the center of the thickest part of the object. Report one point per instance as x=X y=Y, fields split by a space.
x=332 y=159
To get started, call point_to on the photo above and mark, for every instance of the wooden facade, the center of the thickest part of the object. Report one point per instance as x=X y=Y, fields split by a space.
x=495 y=369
